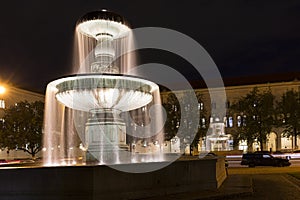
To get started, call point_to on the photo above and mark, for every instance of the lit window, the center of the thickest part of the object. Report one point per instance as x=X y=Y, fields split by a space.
x=178 y=124
x=200 y=106
x=203 y=122
x=2 y=104
x=175 y=108
x=230 y=121
x=239 y=121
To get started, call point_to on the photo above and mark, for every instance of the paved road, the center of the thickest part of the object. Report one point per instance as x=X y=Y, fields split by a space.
x=274 y=187
x=237 y=163
x=263 y=170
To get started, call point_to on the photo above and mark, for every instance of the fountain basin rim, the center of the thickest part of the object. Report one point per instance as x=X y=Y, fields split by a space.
x=104 y=15
x=86 y=92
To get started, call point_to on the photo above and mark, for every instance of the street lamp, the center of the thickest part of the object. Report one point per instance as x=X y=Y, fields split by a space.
x=2 y=89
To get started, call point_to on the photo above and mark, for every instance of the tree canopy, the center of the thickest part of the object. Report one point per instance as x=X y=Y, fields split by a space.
x=257 y=112
x=191 y=117
x=172 y=123
x=22 y=127
x=288 y=112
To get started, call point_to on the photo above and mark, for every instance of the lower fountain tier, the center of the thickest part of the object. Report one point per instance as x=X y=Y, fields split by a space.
x=107 y=91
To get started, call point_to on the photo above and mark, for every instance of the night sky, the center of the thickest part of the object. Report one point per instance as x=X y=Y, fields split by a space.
x=245 y=38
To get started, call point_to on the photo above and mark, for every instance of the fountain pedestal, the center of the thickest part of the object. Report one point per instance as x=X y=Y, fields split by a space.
x=105 y=136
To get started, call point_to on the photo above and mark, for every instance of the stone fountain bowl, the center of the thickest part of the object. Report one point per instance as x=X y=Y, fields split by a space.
x=86 y=92
x=103 y=22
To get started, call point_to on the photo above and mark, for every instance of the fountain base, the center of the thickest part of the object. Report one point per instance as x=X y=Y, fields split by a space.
x=103 y=182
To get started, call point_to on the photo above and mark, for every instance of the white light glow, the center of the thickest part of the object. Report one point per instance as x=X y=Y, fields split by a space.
x=2 y=89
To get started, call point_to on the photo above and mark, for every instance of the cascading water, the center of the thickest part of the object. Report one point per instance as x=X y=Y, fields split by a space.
x=91 y=117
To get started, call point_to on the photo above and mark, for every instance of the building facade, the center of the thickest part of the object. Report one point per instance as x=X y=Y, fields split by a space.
x=219 y=128
x=218 y=137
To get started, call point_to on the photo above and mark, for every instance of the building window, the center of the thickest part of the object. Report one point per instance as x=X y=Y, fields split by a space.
x=230 y=122
x=200 y=106
x=2 y=123
x=226 y=121
x=203 y=122
x=244 y=120
x=174 y=108
x=239 y=121
x=2 y=104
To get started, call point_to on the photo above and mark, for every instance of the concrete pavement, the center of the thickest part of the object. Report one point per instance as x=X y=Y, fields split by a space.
x=275 y=187
x=235 y=186
x=274 y=183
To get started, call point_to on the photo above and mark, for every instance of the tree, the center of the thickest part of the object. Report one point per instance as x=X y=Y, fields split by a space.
x=288 y=109
x=202 y=127
x=22 y=128
x=183 y=112
x=173 y=116
x=257 y=111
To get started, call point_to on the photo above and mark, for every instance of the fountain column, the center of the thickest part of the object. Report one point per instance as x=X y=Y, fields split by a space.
x=105 y=136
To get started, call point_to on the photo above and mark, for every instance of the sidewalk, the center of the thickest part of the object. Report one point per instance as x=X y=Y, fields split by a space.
x=234 y=186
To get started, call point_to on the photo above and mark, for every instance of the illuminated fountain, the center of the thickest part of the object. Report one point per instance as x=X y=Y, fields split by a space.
x=82 y=114
x=104 y=114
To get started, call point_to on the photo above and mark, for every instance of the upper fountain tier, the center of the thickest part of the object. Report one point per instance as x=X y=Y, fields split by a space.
x=105 y=27
x=99 y=23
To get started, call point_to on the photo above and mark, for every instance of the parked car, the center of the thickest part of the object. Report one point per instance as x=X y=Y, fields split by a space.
x=263 y=159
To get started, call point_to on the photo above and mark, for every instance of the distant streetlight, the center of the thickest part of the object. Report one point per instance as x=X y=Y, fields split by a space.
x=2 y=89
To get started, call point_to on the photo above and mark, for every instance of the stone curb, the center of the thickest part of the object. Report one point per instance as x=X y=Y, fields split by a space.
x=228 y=196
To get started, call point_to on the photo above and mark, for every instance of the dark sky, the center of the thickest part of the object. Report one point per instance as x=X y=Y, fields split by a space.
x=244 y=37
